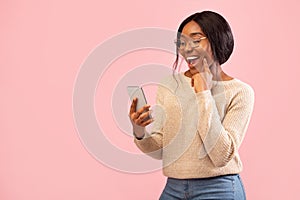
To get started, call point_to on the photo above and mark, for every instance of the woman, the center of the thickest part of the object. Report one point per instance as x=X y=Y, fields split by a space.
x=206 y=114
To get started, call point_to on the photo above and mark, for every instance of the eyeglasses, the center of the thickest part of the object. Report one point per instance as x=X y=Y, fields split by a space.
x=194 y=43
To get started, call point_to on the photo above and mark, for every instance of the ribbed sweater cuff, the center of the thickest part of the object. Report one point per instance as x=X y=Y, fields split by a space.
x=203 y=94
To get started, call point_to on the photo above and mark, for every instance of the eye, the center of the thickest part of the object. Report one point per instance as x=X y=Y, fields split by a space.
x=196 y=41
x=181 y=43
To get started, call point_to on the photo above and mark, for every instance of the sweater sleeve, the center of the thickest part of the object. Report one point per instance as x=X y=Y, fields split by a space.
x=152 y=142
x=222 y=138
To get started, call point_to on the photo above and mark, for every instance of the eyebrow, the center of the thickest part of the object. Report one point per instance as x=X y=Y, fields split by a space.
x=193 y=34
x=196 y=33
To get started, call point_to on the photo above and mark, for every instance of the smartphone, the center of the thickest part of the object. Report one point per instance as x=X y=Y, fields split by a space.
x=136 y=91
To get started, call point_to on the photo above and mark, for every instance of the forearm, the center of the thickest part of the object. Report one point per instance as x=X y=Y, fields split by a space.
x=150 y=144
x=211 y=131
x=222 y=138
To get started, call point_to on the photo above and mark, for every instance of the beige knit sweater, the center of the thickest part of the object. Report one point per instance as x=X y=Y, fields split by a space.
x=198 y=135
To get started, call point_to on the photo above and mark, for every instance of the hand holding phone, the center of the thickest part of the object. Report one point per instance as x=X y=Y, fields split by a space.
x=139 y=110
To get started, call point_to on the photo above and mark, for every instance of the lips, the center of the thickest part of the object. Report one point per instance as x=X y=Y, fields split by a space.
x=191 y=60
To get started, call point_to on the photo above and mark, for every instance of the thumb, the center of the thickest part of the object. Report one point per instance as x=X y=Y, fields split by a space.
x=205 y=64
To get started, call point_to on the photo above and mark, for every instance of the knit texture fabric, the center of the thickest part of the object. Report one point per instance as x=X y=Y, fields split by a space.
x=197 y=135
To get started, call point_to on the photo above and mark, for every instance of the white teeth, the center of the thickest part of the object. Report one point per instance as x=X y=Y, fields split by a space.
x=191 y=58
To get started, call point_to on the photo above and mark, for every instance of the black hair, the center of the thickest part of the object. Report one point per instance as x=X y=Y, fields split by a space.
x=217 y=31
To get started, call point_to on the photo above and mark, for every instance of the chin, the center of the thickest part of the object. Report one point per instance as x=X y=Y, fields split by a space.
x=193 y=70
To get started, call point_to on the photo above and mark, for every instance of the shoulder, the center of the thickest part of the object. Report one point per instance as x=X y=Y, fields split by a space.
x=242 y=92
x=171 y=82
x=243 y=88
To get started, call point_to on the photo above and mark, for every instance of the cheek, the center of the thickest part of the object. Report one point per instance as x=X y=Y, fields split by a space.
x=206 y=47
x=181 y=53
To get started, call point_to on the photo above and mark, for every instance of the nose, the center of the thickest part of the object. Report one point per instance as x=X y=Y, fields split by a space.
x=188 y=47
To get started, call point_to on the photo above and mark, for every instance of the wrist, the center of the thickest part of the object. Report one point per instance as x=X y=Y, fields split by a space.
x=138 y=131
x=200 y=89
x=138 y=137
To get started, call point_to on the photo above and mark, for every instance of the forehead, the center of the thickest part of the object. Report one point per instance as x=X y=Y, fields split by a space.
x=192 y=29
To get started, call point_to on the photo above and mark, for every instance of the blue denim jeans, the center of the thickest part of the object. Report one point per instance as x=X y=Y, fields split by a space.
x=227 y=187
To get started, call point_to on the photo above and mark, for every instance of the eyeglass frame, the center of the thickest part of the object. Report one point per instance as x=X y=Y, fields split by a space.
x=191 y=42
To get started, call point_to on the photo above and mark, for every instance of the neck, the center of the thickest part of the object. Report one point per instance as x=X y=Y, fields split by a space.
x=217 y=72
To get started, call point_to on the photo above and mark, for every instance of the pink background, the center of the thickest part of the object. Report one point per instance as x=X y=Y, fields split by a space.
x=43 y=44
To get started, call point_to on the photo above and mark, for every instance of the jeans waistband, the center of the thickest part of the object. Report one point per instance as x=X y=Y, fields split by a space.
x=206 y=178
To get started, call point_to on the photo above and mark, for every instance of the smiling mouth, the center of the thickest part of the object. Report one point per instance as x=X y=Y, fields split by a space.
x=191 y=60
